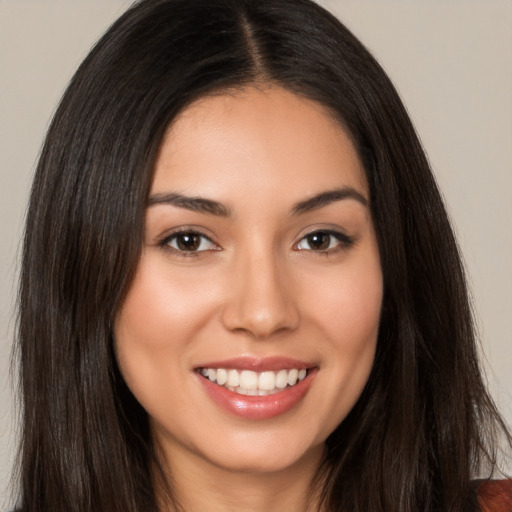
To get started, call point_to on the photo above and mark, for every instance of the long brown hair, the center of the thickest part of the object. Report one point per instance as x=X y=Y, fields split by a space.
x=425 y=424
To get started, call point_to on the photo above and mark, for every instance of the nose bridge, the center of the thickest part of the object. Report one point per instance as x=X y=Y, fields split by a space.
x=261 y=302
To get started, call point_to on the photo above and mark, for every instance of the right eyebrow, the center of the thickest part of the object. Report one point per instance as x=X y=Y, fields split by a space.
x=330 y=196
x=195 y=204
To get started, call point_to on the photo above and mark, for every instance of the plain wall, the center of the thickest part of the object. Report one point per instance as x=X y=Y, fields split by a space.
x=450 y=60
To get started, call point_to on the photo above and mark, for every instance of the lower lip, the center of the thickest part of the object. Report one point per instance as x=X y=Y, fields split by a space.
x=258 y=407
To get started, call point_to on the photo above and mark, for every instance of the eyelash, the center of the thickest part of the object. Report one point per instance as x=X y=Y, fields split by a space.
x=165 y=243
x=344 y=242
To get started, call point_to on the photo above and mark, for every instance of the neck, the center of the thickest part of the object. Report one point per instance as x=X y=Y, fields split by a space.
x=198 y=485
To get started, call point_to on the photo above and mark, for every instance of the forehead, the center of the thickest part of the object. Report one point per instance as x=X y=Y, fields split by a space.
x=257 y=141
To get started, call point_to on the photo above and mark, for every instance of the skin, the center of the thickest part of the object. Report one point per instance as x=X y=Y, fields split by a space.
x=256 y=287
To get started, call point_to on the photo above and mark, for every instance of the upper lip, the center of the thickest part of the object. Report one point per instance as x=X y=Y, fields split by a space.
x=258 y=364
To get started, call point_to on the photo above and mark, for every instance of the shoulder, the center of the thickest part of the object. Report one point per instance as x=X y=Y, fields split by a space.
x=495 y=495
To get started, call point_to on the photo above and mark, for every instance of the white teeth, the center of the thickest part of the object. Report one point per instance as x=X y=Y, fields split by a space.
x=233 y=378
x=222 y=376
x=267 y=381
x=248 y=379
x=247 y=382
x=293 y=376
x=281 y=379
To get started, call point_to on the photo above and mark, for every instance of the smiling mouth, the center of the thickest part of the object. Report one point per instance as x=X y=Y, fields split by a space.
x=251 y=383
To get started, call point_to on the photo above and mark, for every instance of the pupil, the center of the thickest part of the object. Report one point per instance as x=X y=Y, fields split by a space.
x=319 y=241
x=188 y=242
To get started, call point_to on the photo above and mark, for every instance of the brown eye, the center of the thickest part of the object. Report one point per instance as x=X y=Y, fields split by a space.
x=189 y=242
x=319 y=241
x=324 y=242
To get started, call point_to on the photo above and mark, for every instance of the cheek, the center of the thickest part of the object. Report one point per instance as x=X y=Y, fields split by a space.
x=347 y=303
x=346 y=306
x=154 y=327
x=162 y=306
x=357 y=325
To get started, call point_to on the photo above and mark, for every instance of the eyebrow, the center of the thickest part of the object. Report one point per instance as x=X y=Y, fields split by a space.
x=209 y=206
x=325 y=198
x=195 y=204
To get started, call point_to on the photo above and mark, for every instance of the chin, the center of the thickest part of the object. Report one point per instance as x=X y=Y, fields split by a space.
x=265 y=454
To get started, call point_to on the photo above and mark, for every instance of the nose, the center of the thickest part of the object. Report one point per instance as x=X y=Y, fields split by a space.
x=261 y=300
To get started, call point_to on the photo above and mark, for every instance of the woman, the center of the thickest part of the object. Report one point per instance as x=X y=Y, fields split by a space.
x=240 y=289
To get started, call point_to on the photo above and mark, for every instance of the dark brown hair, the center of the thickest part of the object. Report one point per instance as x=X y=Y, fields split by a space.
x=425 y=424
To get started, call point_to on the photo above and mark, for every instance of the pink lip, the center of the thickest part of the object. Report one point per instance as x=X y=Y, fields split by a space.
x=255 y=364
x=258 y=407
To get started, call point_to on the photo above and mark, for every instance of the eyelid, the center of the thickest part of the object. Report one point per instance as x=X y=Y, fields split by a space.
x=166 y=240
x=345 y=241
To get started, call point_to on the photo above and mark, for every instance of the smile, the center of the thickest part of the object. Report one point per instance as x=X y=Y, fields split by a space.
x=255 y=388
x=252 y=383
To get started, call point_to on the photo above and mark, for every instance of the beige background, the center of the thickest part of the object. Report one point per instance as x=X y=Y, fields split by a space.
x=451 y=61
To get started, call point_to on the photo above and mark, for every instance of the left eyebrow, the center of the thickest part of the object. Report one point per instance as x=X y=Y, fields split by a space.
x=196 y=204
x=325 y=198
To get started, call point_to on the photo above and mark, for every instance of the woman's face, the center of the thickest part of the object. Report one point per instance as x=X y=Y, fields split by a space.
x=261 y=270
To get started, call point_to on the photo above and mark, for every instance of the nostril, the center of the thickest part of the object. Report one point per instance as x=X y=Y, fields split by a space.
x=262 y=319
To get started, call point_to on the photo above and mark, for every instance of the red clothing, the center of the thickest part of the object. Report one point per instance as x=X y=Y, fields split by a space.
x=495 y=495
